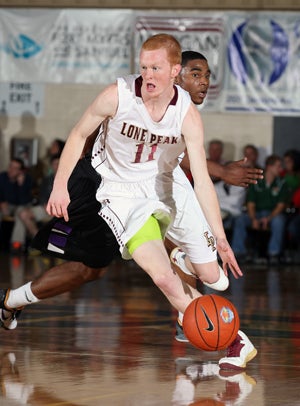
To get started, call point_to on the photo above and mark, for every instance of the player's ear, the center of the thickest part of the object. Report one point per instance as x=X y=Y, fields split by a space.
x=176 y=70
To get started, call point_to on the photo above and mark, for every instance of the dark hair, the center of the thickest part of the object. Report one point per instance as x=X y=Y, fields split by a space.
x=251 y=146
x=54 y=157
x=294 y=154
x=187 y=56
x=216 y=141
x=60 y=143
x=271 y=159
x=20 y=161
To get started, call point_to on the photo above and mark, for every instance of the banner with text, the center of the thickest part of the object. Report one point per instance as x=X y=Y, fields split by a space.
x=65 y=45
x=204 y=34
x=254 y=56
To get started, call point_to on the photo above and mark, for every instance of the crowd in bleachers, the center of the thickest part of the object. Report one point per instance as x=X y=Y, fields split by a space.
x=262 y=220
x=24 y=193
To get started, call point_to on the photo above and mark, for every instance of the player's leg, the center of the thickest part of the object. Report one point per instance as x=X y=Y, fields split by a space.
x=148 y=251
x=199 y=244
x=57 y=280
x=190 y=229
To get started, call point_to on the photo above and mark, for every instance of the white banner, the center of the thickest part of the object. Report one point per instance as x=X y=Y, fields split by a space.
x=254 y=56
x=204 y=33
x=263 y=71
x=65 y=45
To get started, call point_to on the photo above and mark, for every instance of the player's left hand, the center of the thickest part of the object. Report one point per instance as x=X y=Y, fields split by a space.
x=58 y=203
x=229 y=261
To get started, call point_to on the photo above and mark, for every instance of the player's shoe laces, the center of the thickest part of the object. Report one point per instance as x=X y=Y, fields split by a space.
x=239 y=353
x=177 y=257
x=8 y=317
x=179 y=335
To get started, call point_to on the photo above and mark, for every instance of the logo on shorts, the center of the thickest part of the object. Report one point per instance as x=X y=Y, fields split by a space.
x=211 y=242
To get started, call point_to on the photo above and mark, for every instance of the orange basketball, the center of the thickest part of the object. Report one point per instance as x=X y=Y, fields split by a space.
x=211 y=323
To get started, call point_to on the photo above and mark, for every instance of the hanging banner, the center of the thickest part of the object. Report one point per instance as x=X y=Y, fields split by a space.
x=204 y=33
x=263 y=71
x=254 y=57
x=65 y=45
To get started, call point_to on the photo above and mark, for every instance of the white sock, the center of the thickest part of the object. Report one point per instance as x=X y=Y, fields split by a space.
x=221 y=284
x=21 y=296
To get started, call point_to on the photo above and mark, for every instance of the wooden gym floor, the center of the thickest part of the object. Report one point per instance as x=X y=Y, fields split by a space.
x=111 y=342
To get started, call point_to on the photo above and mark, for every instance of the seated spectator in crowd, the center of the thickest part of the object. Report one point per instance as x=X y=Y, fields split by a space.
x=56 y=147
x=291 y=171
x=251 y=153
x=27 y=219
x=266 y=203
x=43 y=167
x=15 y=192
x=232 y=200
x=215 y=154
x=293 y=227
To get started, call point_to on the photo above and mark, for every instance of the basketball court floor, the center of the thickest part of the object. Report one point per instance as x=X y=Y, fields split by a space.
x=111 y=343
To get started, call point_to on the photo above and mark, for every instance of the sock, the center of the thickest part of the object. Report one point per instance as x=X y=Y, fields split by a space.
x=21 y=296
x=221 y=284
x=180 y=318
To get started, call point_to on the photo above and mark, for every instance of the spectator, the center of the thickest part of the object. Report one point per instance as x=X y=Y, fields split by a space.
x=266 y=203
x=214 y=153
x=55 y=148
x=232 y=200
x=27 y=219
x=251 y=153
x=15 y=193
x=293 y=227
x=291 y=172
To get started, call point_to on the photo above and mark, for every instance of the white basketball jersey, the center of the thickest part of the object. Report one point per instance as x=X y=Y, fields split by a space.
x=143 y=147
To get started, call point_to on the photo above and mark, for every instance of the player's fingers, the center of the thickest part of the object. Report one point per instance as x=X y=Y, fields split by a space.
x=64 y=213
x=235 y=269
x=55 y=210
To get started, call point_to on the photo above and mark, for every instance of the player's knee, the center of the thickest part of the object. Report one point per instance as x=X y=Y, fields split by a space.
x=162 y=281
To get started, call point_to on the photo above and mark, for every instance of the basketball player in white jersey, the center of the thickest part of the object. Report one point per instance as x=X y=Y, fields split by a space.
x=139 y=212
x=151 y=123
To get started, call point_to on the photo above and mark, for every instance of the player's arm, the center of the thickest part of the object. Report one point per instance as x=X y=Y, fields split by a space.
x=235 y=173
x=105 y=105
x=192 y=130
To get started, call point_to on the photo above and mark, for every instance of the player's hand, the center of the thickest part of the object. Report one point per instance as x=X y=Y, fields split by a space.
x=229 y=261
x=238 y=174
x=58 y=203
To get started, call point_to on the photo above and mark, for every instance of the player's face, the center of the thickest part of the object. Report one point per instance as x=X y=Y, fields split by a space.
x=157 y=72
x=194 y=78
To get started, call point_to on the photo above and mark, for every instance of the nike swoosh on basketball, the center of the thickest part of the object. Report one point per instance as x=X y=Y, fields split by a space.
x=210 y=326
